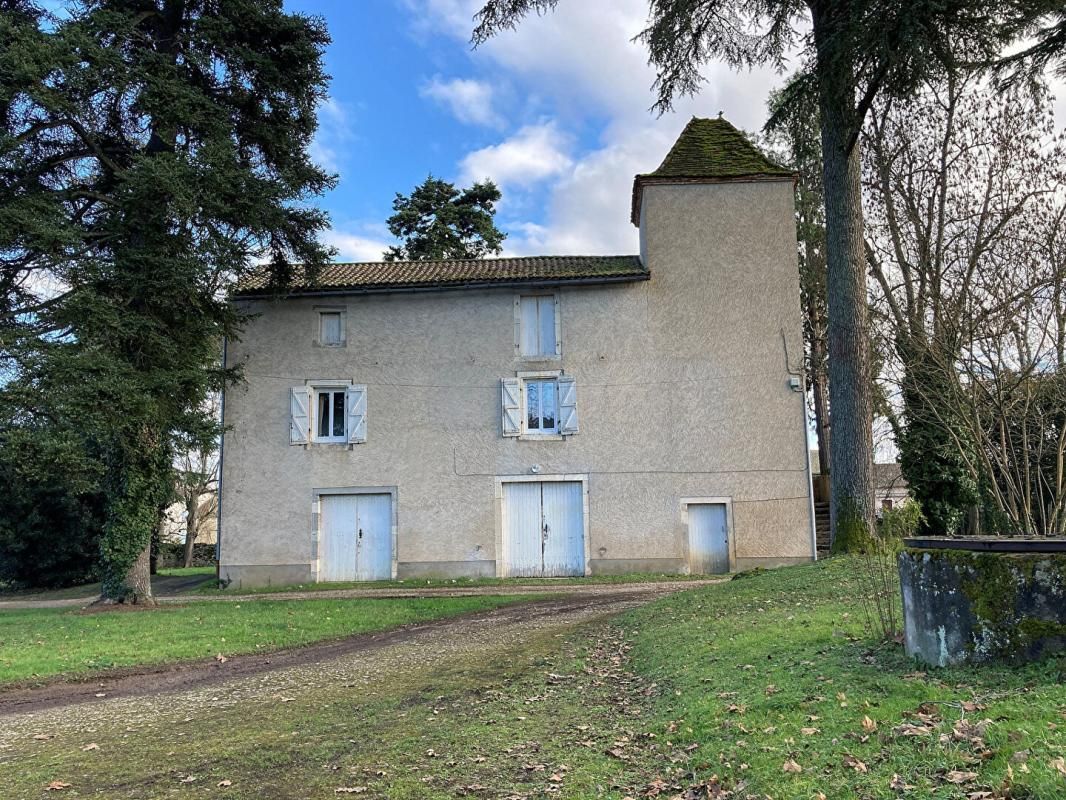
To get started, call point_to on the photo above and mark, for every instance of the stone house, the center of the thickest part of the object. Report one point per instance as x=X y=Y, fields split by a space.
x=536 y=416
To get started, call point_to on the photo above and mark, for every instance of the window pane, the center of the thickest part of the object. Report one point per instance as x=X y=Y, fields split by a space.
x=329 y=327
x=547 y=404
x=338 y=414
x=546 y=318
x=533 y=405
x=528 y=344
x=323 y=414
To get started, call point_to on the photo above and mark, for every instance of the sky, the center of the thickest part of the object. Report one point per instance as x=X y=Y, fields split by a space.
x=556 y=112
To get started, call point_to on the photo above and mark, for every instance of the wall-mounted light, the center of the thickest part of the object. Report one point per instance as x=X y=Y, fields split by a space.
x=535 y=469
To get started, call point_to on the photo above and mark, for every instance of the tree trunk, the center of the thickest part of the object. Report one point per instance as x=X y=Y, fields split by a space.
x=819 y=387
x=851 y=512
x=192 y=527
x=139 y=580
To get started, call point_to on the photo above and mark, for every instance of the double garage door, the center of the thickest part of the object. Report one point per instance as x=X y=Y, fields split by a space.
x=355 y=541
x=543 y=529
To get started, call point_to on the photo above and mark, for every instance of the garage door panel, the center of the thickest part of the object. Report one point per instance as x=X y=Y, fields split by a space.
x=522 y=504
x=374 y=543
x=564 y=521
x=337 y=542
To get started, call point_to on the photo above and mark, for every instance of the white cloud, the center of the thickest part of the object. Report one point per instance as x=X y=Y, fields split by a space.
x=533 y=154
x=581 y=65
x=335 y=131
x=469 y=100
x=364 y=245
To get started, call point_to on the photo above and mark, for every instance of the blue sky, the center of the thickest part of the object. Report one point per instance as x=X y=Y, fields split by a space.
x=556 y=113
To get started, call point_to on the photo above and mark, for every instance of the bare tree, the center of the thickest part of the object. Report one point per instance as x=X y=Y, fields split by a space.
x=196 y=469
x=964 y=245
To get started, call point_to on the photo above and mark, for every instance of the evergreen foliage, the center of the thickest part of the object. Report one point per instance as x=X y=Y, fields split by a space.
x=151 y=152
x=439 y=222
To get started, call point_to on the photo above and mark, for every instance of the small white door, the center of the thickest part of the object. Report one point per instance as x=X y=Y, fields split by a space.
x=544 y=529
x=355 y=542
x=708 y=538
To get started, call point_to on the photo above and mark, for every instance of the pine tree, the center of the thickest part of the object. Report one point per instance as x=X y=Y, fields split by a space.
x=439 y=221
x=151 y=151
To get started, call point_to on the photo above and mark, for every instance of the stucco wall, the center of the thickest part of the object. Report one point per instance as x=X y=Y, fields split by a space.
x=682 y=392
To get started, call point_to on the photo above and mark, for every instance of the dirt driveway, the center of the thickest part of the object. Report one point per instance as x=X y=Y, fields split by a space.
x=179 y=690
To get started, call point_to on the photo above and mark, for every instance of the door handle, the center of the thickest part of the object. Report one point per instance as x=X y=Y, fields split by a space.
x=360 y=533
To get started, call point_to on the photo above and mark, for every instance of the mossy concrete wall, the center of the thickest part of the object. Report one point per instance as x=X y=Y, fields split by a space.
x=966 y=607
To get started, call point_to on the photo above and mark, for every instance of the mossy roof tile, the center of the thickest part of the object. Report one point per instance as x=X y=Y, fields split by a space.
x=383 y=276
x=709 y=150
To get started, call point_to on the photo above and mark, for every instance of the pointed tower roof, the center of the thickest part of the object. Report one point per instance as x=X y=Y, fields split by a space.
x=710 y=151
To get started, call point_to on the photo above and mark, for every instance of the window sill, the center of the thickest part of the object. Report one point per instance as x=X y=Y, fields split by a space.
x=541 y=437
x=534 y=359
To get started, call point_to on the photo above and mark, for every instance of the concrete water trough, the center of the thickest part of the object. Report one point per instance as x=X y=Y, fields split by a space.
x=983 y=599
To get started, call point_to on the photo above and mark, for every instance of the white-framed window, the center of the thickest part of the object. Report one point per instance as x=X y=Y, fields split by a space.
x=330 y=415
x=329 y=327
x=327 y=412
x=538 y=404
x=541 y=402
x=537 y=326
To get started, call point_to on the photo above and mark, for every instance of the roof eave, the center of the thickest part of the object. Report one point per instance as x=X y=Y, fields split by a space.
x=439 y=286
x=640 y=181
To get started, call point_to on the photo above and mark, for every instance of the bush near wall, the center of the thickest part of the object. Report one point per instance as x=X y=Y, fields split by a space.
x=172 y=554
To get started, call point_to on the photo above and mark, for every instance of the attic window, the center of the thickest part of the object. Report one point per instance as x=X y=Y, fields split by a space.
x=537 y=326
x=330 y=328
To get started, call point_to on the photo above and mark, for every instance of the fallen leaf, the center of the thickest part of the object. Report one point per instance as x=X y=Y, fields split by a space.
x=188 y=779
x=223 y=784
x=349 y=790
x=1059 y=764
x=868 y=725
x=91 y=746
x=56 y=786
x=809 y=731
x=855 y=764
x=899 y=784
x=958 y=776
x=221 y=659
x=791 y=766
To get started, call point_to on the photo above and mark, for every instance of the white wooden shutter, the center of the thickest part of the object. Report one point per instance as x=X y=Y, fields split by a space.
x=512 y=407
x=567 y=406
x=356 y=404
x=299 y=415
x=529 y=343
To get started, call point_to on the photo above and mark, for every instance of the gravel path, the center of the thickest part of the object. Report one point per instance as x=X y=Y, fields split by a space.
x=164 y=697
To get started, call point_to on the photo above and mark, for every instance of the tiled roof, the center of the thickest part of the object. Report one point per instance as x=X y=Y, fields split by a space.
x=384 y=276
x=709 y=150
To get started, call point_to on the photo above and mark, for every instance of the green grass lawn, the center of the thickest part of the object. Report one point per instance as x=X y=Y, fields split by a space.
x=457 y=583
x=763 y=687
x=778 y=670
x=41 y=643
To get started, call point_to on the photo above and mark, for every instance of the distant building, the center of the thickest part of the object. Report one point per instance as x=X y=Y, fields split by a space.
x=890 y=487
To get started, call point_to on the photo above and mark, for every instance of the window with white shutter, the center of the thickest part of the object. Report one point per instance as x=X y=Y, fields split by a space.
x=540 y=404
x=537 y=326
